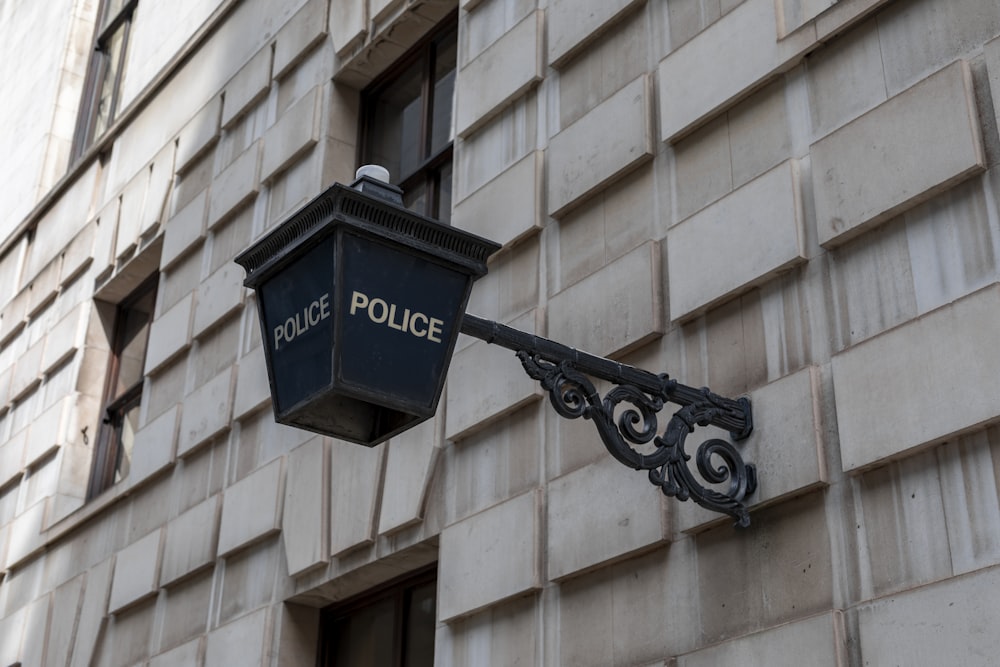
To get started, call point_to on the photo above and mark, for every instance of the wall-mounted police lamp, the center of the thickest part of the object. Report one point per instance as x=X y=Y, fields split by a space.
x=361 y=302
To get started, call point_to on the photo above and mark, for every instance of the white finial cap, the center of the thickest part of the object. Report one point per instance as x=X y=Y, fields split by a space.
x=378 y=172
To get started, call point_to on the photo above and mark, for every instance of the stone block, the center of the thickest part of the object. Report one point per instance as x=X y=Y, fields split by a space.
x=355 y=488
x=65 y=607
x=910 y=148
x=170 y=334
x=155 y=445
x=599 y=514
x=104 y=239
x=473 y=404
x=896 y=629
x=6 y=376
x=602 y=146
x=190 y=541
x=240 y=642
x=132 y=200
x=93 y=610
x=78 y=255
x=412 y=457
x=49 y=431
x=251 y=508
x=492 y=212
x=846 y=78
x=185 y=231
x=504 y=541
x=822 y=638
x=36 y=627
x=844 y=14
x=991 y=53
x=253 y=389
x=742 y=240
x=299 y=35
x=43 y=288
x=348 y=20
x=793 y=14
x=161 y=184
x=65 y=338
x=27 y=371
x=219 y=296
x=737 y=53
x=512 y=65
x=572 y=26
x=12 y=630
x=185 y=655
x=198 y=134
x=613 y=310
x=137 y=571
x=294 y=134
x=13 y=316
x=247 y=87
x=237 y=185
x=968 y=366
x=787 y=411
x=12 y=458
x=206 y=412
x=305 y=523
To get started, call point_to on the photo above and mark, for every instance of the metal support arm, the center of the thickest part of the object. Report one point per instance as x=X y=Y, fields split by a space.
x=563 y=373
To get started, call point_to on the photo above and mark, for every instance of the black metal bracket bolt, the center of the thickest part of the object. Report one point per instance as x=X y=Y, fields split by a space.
x=562 y=372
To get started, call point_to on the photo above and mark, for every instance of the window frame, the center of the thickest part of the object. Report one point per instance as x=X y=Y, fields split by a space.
x=400 y=589
x=429 y=167
x=85 y=133
x=115 y=405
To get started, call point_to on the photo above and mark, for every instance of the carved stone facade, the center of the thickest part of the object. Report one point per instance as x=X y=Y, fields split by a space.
x=796 y=201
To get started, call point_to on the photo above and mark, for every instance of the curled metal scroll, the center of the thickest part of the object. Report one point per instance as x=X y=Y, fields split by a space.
x=573 y=395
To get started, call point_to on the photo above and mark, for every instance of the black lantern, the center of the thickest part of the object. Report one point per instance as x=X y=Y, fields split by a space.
x=360 y=305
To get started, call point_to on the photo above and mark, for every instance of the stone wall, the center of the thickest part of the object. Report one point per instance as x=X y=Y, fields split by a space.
x=792 y=200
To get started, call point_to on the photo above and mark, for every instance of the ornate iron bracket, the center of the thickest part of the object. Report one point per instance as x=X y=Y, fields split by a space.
x=626 y=417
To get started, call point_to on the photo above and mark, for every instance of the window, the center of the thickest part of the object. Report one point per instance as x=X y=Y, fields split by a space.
x=407 y=123
x=391 y=627
x=123 y=388
x=104 y=77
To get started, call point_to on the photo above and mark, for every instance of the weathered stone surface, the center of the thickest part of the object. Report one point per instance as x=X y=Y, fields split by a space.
x=240 y=642
x=292 y=135
x=347 y=23
x=608 y=142
x=613 y=310
x=190 y=541
x=991 y=52
x=895 y=629
x=198 y=134
x=490 y=211
x=355 y=486
x=584 y=533
x=412 y=457
x=822 y=638
x=12 y=458
x=170 y=334
x=137 y=570
x=154 y=448
x=246 y=88
x=305 y=524
x=793 y=14
x=504 y=541
x=737 y=53
x=27 y=370
x=252 y=507
x=512 y=64
x=78 y=255
x=49 y=431
x=968 y=366
x=185 y=231
x=64 y=339
x=908 y=149
x=253 y=390
x=844 y=14
x=218 y=297
x=43 y=288
x=471 y=404
x=572 y=25
x=238 y=184
x=206 y=412
x=185 y=655
x=299 y=35
x=740 y=241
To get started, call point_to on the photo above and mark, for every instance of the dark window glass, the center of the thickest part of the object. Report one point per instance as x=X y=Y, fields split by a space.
x=390 y=627
x=123 y=392
x=104 y=77
x=407 y=123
